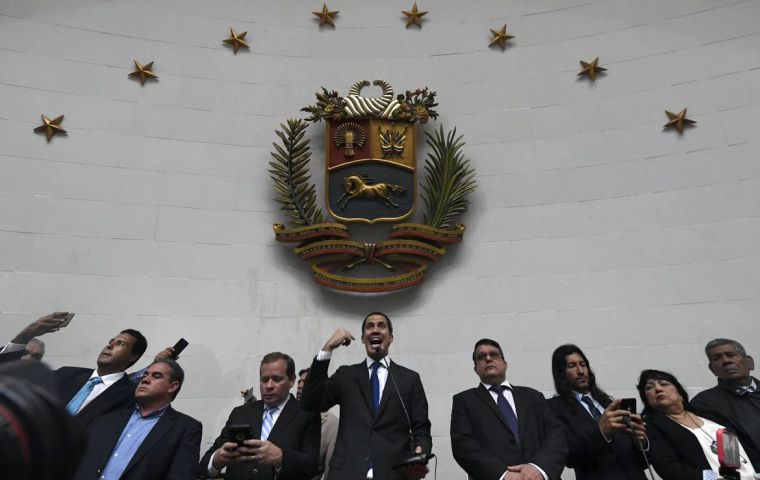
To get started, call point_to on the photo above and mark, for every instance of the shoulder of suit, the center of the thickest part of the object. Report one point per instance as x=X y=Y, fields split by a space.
x=184 y=417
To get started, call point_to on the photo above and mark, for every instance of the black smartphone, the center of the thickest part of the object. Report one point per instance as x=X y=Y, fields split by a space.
x=240 y=432
x=178 y=347
x=66 y=320
x=628 y=404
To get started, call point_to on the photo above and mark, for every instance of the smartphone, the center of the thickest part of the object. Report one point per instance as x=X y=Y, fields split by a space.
x=240 y=432
x=178 y=347
x=416 y=459
x=628 y=404
x=66 y=320
x=728 y=449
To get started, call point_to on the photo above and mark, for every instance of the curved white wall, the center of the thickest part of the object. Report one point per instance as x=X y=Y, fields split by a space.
x=590 y=224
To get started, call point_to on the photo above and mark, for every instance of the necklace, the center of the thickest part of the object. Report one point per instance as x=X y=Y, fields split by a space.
x=713 y=442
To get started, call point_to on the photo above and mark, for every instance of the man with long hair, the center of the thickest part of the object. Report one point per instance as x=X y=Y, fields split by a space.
x=601 y=437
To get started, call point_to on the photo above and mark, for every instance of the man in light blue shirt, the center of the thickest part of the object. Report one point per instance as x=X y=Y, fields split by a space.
x=151 y=441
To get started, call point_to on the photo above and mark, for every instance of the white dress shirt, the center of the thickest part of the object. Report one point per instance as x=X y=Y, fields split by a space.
x=108 y=380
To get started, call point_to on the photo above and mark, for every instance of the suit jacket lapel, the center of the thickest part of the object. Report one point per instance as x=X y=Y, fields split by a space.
x=389 y=390
x=488 y=400
x=287 y=414
x=161 y=428
x=119 y=422
x=522 y=420
x=361 y=376
x=108 y=395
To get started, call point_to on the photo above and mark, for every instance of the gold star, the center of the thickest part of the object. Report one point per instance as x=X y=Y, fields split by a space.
x=326 y=16
x=500 y=37
x=144 y=72
x=51 y=127
x=237 y=40
x=414 y=17
x=678 y=120
x=590 y=69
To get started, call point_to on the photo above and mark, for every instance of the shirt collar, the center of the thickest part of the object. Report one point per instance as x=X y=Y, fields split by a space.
x=382 y=361
x=505 y=383
x=157 y=413
x=579 y=396
x=739 y=389
x=109 y=379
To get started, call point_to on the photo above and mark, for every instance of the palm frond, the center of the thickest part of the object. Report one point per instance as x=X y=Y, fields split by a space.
x=449 y=180
x=289 y=172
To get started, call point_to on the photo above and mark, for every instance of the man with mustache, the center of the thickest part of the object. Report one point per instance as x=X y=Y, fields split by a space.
x=150 y=440
x=736 y=397
x=601 y=443
x=373 y=434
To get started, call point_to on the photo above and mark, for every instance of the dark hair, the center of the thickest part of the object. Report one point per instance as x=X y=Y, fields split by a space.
x=176 y=374
x=486 y=341
x=303 y=371
x=562 y=385
x=274 y=356
x=140 y=345
x=647 y=375
x=719 y=342
x=390 y=325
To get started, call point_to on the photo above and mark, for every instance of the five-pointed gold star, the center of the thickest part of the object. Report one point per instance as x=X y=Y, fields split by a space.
x=51 y=127
x=144 y=72
x=500 y=37
x=326 y=16
x=678 y=120
x=414 y=17
x=590 y=69
x=237 y=40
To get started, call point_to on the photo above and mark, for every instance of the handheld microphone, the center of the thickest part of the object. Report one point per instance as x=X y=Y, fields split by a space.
x=415 y=458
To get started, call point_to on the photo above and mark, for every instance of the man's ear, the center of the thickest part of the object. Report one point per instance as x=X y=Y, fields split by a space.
x=174 y=387
x=751 y=362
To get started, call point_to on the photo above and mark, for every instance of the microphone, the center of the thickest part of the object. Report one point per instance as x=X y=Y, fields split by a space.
x=415 y=458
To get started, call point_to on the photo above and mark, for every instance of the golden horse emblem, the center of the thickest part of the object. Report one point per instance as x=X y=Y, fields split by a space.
x=361 y=186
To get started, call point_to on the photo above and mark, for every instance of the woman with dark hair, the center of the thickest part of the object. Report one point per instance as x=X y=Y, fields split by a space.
x=683 y=443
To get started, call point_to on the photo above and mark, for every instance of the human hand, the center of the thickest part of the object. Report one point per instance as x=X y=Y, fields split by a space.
x=415 y=472
x=261 y=451
x=613 y=419
x=526 y=471
x=165 y=353
x=49 y=323
x=224 y=455
x=340 y=337
x=638 y=428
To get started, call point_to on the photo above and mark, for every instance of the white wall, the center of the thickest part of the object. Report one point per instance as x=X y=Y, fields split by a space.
x=590 y=224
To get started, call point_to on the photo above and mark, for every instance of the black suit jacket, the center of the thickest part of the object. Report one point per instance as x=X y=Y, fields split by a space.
x=589 y=453
x=169 y=452
x=11 y=356
x=483 y=444
x=676 y=452
x=724 y=404
x=363 y=437
x=118 y=396
x=296 y=432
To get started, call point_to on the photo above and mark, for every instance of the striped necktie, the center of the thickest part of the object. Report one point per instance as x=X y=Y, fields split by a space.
x=267 y=422
x=76 y=403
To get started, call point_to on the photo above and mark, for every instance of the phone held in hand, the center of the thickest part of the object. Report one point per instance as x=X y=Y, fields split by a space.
x=66 y=320
x=178 y=347
x=628 y=404
x=240 y=432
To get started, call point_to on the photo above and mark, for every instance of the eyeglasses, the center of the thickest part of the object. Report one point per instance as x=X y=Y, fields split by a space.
x=481 y=357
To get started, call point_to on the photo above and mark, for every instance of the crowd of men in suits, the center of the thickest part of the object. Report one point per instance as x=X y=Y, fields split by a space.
x=498 y=430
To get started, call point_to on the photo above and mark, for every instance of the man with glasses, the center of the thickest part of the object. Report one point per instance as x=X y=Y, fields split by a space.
x=501 y=431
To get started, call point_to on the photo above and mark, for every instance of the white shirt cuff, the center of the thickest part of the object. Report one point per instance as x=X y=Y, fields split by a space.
x=543 y=474
x=213 y=472
x=322 y=355
x=13 y=347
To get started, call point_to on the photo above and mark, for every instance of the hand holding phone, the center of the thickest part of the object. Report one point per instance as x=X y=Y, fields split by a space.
x=178 y=347
x=66 y=320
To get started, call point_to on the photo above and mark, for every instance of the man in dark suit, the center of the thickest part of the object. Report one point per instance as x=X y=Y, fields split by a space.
x=601 y=444
x=737 y=394
x=282 y=441
x=151 y=441
x=504 y=432
x=89 y=393
x=373 y=433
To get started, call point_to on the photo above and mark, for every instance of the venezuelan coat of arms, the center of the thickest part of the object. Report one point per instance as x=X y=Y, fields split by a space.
x=371 y=176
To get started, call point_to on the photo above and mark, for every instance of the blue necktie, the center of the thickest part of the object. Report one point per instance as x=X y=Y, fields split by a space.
x=506 y=411
x=266 y=424
x=76 y=403
x=375 y=386
x=591 y=408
